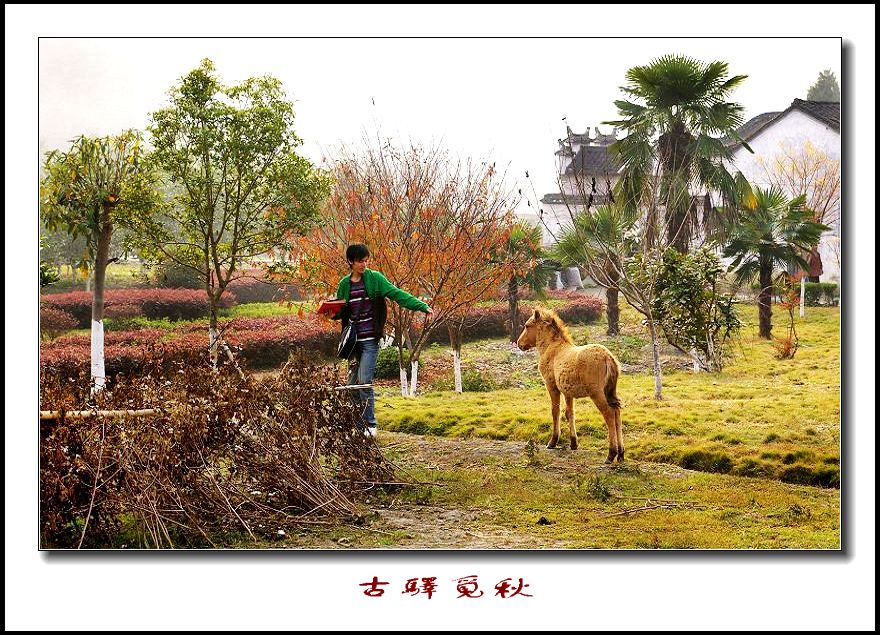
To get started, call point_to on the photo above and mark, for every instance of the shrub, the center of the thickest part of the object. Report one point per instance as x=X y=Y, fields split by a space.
x=706 y=461
x=172 y=275
x=253 y=287
x=578 y=308
x=175 y=304
x=54 y=321
x=259 y=342
x=387 y=364
x=694 y=315
x=819 y=293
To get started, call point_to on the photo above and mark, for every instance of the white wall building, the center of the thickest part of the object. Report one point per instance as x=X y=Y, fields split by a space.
x=768 y=134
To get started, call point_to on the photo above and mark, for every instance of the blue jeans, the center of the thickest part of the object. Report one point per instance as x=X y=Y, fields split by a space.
x=360 y=371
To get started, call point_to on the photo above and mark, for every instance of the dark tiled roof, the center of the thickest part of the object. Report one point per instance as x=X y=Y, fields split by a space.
x=828 y=112
x=593 y=160
x=751 y=127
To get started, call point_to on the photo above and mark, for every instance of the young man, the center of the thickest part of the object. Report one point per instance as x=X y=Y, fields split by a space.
x=365 y=291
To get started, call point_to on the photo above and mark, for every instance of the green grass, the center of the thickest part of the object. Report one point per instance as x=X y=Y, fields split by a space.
x=760 y=417
x=711 y=511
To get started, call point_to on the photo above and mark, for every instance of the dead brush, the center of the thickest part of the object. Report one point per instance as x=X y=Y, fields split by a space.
x=223 y=454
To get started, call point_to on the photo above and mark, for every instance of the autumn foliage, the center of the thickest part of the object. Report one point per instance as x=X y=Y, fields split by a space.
x=433 y=226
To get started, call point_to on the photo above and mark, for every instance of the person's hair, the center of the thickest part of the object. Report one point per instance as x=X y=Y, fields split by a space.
x=357 y=251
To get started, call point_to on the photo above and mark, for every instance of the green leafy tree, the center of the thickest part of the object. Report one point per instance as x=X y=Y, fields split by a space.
x=48 y=272
x=826 y=88
x=97 y=185
x=776 y=233
x=525 y=256
x=239 y=186
x=678 y=118
x=696 y=317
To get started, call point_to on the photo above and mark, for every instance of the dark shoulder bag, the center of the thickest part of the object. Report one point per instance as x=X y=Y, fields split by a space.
x=348 y=339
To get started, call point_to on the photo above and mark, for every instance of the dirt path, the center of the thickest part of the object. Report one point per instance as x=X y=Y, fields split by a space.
x=410 y=525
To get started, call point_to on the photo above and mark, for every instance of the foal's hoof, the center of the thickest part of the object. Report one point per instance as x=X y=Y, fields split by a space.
x=620 y=457
x=574 y=444
x=551 y=445
x=609 y=460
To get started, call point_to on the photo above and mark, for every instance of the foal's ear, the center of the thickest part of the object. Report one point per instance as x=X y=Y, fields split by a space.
x=537 y=316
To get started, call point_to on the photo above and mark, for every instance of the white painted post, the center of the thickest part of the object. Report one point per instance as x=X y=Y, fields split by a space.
x=803 y=293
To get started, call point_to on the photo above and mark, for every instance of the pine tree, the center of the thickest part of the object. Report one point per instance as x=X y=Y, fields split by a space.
x=826 y=88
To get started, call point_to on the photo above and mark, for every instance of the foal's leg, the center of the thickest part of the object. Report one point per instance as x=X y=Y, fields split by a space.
x=619 y=435
x=610 y=423
x=569 y=415
x=554 y=407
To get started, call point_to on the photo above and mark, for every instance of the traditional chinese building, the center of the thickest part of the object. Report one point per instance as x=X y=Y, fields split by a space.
x=803 y=126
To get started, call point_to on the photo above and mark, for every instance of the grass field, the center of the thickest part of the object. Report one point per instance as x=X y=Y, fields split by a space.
x=761 y=417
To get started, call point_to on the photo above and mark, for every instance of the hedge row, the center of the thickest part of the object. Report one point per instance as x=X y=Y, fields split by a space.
x=493 y=320
x=815 y=293
x=174 y=304
x=253 y=287
x=260 y=343
x=265 y=342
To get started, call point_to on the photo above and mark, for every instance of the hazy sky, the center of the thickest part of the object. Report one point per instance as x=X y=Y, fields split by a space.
x=500 y=98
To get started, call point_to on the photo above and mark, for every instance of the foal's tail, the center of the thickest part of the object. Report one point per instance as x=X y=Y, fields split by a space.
x=612 y=372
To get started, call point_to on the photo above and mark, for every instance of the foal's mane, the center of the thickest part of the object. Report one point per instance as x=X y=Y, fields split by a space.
x=557 y=326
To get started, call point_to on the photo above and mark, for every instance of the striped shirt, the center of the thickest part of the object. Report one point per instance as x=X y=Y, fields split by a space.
x=361 y=311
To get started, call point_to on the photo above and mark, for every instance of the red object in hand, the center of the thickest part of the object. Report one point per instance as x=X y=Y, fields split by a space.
x=330 y=307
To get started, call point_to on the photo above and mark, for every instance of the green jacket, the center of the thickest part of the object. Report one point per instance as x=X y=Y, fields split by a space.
x=377 y=287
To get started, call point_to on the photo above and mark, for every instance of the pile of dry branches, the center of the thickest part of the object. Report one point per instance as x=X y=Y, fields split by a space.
x=217 y=455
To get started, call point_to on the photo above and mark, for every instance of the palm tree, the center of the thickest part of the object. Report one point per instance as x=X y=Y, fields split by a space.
x=597 y=242
x=680 y=121
x=529 y=269
x=777 y=232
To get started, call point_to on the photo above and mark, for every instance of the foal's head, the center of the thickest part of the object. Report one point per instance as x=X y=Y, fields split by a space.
x=542 y=324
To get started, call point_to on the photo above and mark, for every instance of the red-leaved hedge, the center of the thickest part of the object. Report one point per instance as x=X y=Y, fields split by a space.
x=254 y=287
x=260 y=343
x=174 y=304
x=268 y=342
x=54 y=321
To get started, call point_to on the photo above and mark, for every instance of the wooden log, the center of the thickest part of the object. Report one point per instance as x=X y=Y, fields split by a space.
x=85 y=414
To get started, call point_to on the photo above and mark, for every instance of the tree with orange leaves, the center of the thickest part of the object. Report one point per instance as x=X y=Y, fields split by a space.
x=432 y=225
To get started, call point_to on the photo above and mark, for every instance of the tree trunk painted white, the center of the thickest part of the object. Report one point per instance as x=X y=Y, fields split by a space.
x=404 y=387
x=213 y=344
x=696 y=357
x=99 y=379
x=803 y=293
x=658 y=373
x=414 y=378
x=102 y=251
x=456 y=364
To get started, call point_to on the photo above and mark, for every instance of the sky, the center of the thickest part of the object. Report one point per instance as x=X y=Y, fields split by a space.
x=498 y=98
x=504 y=96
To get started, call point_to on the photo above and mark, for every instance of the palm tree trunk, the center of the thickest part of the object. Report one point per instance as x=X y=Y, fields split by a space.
x=765 y=296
